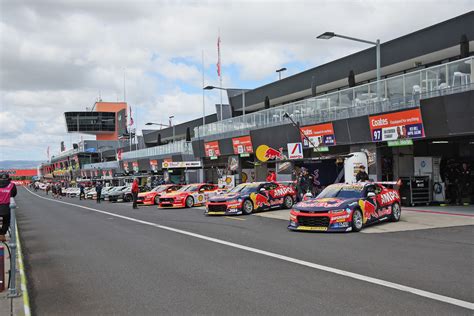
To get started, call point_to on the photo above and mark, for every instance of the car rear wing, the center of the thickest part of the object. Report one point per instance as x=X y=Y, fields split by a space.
x=394 y=184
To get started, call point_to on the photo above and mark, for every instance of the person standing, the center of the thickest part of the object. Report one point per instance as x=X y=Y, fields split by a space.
x=98 y=191
x=135 y=193
x=7 y=191
x=463 y=183
x=82 y=194
x=59 y=191
x=304 y=183
x=271 y=177
x=362 y=176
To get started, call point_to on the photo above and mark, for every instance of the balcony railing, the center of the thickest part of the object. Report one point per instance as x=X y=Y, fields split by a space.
x=178 y=147
x=102 y=165
x=397 y=92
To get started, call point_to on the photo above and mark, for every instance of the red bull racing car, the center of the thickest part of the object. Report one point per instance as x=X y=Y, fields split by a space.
x=346 y=207
x=249 y=197
x=152 y=197
x=188 y=195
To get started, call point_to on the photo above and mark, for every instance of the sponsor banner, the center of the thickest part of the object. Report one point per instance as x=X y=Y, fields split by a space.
x=319 y=135
x=242 y=145
x=400 y=142
x=181 y=164
x=125 y=167
x=104 y=173
x=135 y=166
x=398 y=125
x=233 y=163
x=265 y=153
x=154 y=165
x=295 y=151
x=212 y=149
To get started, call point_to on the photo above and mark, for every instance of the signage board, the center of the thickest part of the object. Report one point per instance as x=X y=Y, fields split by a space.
x=295 y=151
x=154 y=165
x=400 y=142
x=212 y=149
x=181 y=164
x=265 y=153
x=394 y=126
x=319 y=135
x=242 y=145
x=135 y=166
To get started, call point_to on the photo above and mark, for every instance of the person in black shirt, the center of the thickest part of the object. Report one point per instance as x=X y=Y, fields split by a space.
x=362 y=176
x=98 y=190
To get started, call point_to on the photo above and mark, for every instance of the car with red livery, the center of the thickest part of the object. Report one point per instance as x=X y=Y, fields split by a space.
x=152 y=197
x=189 y=195
x=346 y=207
x=247 y=198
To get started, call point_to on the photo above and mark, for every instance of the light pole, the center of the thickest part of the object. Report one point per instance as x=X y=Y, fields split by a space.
x=171 y=124
x=225 y=89
x=159 y=124
x=280 y=71
x=329 y=35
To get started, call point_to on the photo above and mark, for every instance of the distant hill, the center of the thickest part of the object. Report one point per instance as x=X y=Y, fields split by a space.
x=19 y=164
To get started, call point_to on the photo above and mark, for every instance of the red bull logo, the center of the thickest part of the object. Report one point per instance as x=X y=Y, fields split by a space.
x=265 y=153
x=260 y=200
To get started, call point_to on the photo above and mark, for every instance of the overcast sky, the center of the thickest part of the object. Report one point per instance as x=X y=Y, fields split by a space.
x=58 y=56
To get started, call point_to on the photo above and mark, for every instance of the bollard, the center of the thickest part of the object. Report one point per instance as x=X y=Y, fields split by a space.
x=12 y=290
x=2 y=268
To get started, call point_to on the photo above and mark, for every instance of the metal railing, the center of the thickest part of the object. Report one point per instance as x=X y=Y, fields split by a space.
x=398 y=92
x=101 y=165
x=178 y=147
x=12 y=290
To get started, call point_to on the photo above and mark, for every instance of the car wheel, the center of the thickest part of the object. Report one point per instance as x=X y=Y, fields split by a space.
x=288 y=203
x=157 y=200
x=247 y=207
x=189 y=202
x=357 y=220
x=127 y=198
x=396 y=212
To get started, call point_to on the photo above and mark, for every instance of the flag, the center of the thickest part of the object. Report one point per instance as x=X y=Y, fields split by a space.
x=219 y=55
x=131 y=118
x=119 y=154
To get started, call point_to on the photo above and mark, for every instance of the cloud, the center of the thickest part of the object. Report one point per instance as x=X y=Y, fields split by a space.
x=58 y=56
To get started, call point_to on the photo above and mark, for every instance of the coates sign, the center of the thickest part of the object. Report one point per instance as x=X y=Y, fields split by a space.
x=212 y=149
x=181 y=164
x=242 y=145
x=319 y=135
x=398 y=125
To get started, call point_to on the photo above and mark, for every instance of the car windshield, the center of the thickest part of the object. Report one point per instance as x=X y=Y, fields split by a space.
x=159 y=188
x=189 y=188
x=342 y=191
x=245 y=188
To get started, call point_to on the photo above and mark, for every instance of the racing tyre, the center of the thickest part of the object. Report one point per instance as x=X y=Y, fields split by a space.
x=189 y=202
x=396 y=212
x=127 y=198
x=357 y=220
x=247 y=207
x=288 y=202
x=157 y=200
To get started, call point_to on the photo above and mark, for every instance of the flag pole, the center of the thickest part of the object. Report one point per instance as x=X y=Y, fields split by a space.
x=220 y=68
x=203 y=98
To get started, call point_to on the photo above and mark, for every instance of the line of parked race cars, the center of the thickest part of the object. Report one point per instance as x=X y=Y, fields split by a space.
x=339 y=207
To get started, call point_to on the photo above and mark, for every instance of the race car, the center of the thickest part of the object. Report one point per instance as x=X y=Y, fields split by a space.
x=346 y=207
x=249 y=197
x=153 y=197
x=189 y=195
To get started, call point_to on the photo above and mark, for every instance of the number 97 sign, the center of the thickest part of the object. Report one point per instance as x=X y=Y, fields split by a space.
x=398 y=125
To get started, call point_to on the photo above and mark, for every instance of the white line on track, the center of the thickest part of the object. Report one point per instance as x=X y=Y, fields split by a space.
x=400 y=287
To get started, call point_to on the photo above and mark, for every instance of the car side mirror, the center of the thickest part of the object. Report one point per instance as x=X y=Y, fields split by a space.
x=371 y=194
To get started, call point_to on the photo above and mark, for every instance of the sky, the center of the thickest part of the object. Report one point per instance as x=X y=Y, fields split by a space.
x=58 y=56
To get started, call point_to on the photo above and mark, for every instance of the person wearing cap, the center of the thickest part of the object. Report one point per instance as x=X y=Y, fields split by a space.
x=362 y=176
x=7 y=191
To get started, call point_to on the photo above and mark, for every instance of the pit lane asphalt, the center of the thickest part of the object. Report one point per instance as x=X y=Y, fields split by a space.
x=82 y=262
